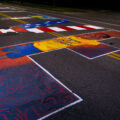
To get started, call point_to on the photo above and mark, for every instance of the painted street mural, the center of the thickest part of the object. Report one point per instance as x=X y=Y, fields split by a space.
x=43 y=17
x=27 y=92
x=87 y=45
x=43 y=24
x=38 y=27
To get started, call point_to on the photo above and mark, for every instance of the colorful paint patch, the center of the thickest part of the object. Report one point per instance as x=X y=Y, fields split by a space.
x=91 y=51
x=31 y=17
x=42 y=24
x=87 y=45
x=44 y=17
x=29 y=92
x=49 y=29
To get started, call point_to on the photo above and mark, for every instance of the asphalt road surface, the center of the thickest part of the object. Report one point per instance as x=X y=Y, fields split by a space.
x=77 y=56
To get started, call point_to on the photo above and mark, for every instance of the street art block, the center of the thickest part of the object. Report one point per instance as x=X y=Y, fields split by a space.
x=42 y=24
x=35 y=28
x=88 y=45
x=44 y=17
x=28 y=92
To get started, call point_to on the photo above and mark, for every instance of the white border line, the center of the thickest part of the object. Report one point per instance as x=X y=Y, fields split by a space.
x=71 y=104
x=67 y=106
x=92 y=57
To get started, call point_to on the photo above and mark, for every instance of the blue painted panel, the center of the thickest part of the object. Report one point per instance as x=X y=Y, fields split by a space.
x=43 y=24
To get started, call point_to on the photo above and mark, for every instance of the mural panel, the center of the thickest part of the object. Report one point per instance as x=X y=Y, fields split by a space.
x=27 y=92
x=87 y=45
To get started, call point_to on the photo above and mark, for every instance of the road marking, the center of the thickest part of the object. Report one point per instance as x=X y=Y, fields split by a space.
x=77 y=18
x=116 y=55
x=45 y=29
x=56 y=34
x=11 y=11
x=112 y=56
x=53 y=33
x=7 y=16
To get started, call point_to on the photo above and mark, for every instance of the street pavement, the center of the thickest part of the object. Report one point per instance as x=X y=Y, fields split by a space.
x=89 y=73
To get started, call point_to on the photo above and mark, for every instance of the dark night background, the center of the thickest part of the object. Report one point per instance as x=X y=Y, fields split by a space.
x=82 y=4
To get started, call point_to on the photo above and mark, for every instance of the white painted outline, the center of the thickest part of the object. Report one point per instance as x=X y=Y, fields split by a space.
x=60 y=109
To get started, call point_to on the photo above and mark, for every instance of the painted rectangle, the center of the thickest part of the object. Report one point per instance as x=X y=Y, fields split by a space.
x=66 y=28
x=57 y=29
x=19 y=29
x=6 y=30
x=94 y=27
x=85 y=27
x=29 y=92
x=46 y=30
x=35 y=30
x=43 y=24
x=93 y=51
x=77 y=27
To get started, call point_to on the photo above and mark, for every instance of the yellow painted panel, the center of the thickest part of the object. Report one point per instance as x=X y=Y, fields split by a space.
x=63 y=42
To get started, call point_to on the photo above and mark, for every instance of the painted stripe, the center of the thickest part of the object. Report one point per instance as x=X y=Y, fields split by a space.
x=85 y=27
x=66 y=28
x=19 y=29
x=115 y=54
x=76 y=27
x=35 y=30
x=56 y=34
x=110 y=55
x=42 y=30
x=14 y=18
x=6 y=30
x=57 y=29
x=46 y=30
x=94 y=27
x=7 y=16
